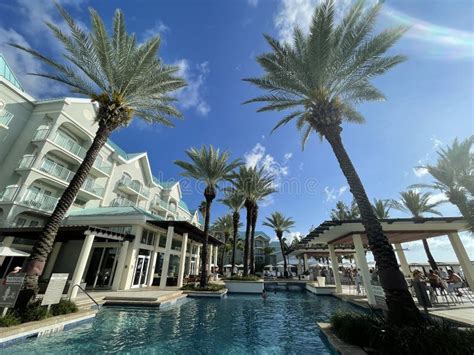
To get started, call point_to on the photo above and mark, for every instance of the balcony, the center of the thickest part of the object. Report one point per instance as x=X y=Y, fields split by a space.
x=102 y=167
x=26 y=161
x=70 y=145
x=41 y=134
x=8 y=194
x=132 y=187
x=90 y=186
x=122 y=202
x=39 y=201
x=159 y=204
x=5 y=118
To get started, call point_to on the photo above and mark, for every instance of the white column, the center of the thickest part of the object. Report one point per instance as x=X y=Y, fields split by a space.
x=7 y=242
x=209 y=258
x=461 y=254
x=166 y=257
x=120 y=265
x=364 y=268
x=305 y=261
x=127 y=279
x=216 y=253
x=335 y=267
x=52 y=260
x=81 y=265
x=198 y=260
x=300 y=271
x=182 y=260
x=402 y=259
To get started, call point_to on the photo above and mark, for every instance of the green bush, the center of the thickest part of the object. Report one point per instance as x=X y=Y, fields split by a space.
x=63 y=307
x=9 y=320
x=209 y=287
x=34 y=311
x=243 y=278
x=370 y=331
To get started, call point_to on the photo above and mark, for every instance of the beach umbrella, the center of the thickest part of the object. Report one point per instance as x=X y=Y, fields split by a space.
x=7 y=251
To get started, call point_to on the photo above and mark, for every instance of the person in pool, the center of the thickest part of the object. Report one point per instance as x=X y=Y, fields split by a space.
x=264 y=294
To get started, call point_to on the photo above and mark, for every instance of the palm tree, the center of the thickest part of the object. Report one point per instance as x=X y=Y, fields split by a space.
x=202 y=209
x=125 y=79
x=342 y=212
x=234 y=201
x=321 y=78
x=453 y=173
x=280 y=224
x=416 y=204
x=223 y=225
x=210 y=166
x=253 y=184
x=382 y=208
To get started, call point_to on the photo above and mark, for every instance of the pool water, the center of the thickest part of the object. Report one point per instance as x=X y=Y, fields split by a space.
x=284 y=323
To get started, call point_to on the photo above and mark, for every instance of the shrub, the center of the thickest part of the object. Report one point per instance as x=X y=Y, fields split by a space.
x=431 y=337
x=33 y=311
x=209 y=287
x=243 y=278
x=9 y=320
x=63 y=307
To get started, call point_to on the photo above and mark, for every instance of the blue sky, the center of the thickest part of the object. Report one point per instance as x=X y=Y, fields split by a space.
x=215 y=44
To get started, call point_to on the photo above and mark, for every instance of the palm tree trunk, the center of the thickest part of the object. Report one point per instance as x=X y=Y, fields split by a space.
x=401 y=307
x=235 y=231
x=248 y=207
x=223 y=253
x=42 y=248
x=285 y=270
x=209 y=194
x=252 y=239
x=431 y=260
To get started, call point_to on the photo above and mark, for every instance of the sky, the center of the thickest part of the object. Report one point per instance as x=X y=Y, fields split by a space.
x=215 y=42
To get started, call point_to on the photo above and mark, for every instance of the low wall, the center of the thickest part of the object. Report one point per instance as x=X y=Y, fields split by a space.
x=237 y=286
x=318 y=290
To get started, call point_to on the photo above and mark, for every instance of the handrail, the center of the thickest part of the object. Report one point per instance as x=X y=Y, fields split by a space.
x=87 y=294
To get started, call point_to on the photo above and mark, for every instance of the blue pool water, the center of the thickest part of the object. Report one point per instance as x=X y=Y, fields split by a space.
x=284 y=323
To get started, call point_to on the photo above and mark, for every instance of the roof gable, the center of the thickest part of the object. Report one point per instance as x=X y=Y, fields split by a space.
x=7 y=73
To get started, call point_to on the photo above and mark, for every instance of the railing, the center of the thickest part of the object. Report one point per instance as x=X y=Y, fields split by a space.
x=106 y=168
x=39 y=200
x=161 y=203
x=8 y=193
x=70 y=145
x=5 y=118
x=122 y=202
x=91 y=186
x=26 y=161
x=56 y=170
x=85 y=292
x=41 y=133
x=135 y=185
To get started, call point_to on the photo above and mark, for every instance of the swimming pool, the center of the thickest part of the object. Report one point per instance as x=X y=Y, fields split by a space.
x=284 y=323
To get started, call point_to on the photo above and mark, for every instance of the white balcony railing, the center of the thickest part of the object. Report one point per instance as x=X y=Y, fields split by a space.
x=5 y=118
x=39 y=201
x=91 y=186
x=41 y=133
x=58 y=171
x=104 y=167
x=70 y=145
x=134 y=185
x=8 y=193
x=122 y=202
x=26 y=161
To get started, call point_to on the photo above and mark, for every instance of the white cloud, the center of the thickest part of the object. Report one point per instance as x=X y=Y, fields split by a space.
x=191 y=96
x=419 y=172
x=159 y=28
x=253 y=157
x=332 y=194
x=435 y=198
x=252 y=3
x=287 y=157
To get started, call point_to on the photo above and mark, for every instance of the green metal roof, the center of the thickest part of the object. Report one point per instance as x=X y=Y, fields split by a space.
x=263 y=234
x=118 y=150
x=183 y=205
x=112 y=211
x=7 y=73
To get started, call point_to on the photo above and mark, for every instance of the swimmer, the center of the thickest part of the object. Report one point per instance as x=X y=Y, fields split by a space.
x=264 y=294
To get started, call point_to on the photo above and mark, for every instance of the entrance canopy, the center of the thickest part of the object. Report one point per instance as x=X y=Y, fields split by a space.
x=398 y=230
x=182 y=227
x=321 y=250
x=65 y=233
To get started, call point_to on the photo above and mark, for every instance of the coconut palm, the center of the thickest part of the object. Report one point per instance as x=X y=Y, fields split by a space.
x=417 y=204
x=454 y=176
x=382 y=208
x=125 y=79
x=280 y=224
x=321 y=78
x=342 y=212
x=202 y=209
x=254 y=184
x=211 y=167
x=223 y=225
x=234 y=201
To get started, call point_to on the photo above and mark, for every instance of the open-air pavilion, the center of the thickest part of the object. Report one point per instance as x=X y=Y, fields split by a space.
x=340 y=237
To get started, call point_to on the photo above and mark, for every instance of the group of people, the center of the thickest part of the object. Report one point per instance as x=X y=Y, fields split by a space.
x=440 y=280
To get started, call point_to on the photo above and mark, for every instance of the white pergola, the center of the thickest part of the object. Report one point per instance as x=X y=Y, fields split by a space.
x=398 y=231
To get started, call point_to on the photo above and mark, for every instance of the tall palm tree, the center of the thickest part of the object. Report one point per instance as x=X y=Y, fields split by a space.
x=202 y=209
x=234 y=201
x=280 y=224
x=125 y=79
x=453 y=173
x=223 y=225
x=322 y=77
x=382 y=208
x=342 y=212
x=417 y=204
x=210 y=166
x=253 y=183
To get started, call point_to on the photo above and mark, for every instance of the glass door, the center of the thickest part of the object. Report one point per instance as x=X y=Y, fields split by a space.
x=141 y=271
x=101 y=269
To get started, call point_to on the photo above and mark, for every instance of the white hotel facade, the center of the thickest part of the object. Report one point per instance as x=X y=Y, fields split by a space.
x=126 y=227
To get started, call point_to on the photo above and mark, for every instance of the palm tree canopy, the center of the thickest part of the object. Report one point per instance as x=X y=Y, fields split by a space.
x=223 y=225
x=233 y=199
x=113 y=69
x=416 y=203
x=278 y=222
x=323 y=75
x=382 y=208
x=209 y=165
x=253 y=183
x=342 y=212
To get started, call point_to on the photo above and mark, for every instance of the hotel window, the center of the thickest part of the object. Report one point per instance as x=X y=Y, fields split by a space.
x=20 y=222
x=176 y=245
x=34 y=223
x=148 y=237
x=162 y=242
